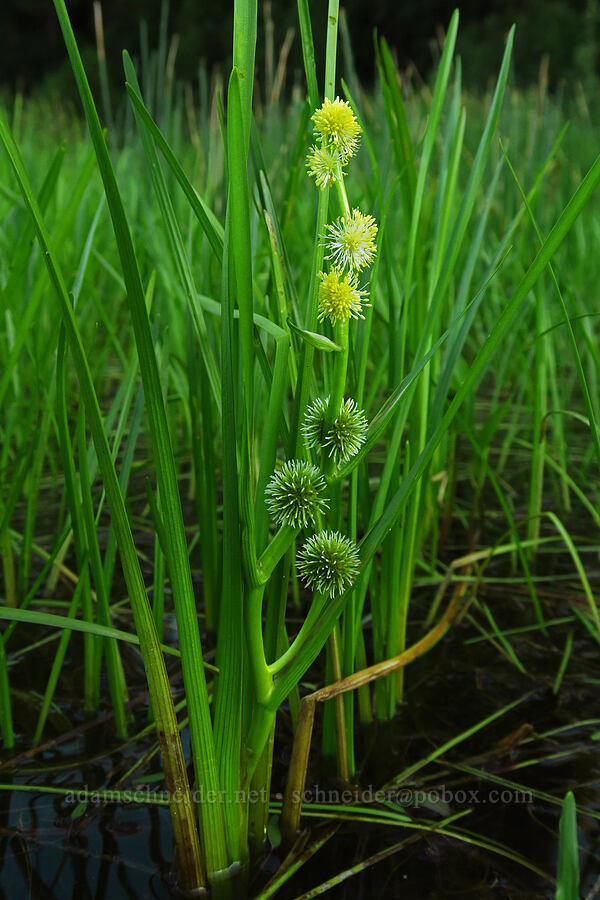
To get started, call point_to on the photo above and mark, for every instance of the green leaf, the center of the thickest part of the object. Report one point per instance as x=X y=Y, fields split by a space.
x=176 y=245
x=308 y=53
x=207 y=219
x=79 y=810
x=560 y=230
x=34 y=617
x=567 y=887
x=320 y=341
x=273 y=832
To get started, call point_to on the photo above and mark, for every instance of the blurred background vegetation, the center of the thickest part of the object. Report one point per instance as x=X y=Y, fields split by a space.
x=564 y=36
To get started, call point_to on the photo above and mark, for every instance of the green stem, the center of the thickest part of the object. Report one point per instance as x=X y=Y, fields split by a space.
x=340 y=719
x=8 y=568
x=276 y=550
x=338 y=385
x=6 y=722
x=306 y=367
x=116 y=677
x=312 y=616
x=305 y=375
x=331 y=51
x=79 y=536
x=341 y=192
x=261 y=676
x=261 y=724
x=56 y=669
x=258 y=798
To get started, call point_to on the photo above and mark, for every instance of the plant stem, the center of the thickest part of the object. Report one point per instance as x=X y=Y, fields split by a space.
x=336 y=395
x=292 y=803
x=331 y=49
x=275 y=551
x=340 y=719
x=6 y=722
x=8 y=568
x=305 y=374
x=263 y=681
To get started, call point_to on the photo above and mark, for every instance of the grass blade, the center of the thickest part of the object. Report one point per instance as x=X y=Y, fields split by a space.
x=203 y=751
x=158 y=683
x=567 y=887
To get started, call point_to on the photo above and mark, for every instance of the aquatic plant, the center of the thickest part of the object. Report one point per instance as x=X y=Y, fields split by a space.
x=353 y=367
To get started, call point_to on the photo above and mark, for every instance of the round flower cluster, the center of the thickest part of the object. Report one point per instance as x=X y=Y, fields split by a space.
x=324 y=165
x=294 y=494
x=328 y=562
x=351 y=241
x=340 y=298
x=344 y=438
x=337 y=128
x=337 y=132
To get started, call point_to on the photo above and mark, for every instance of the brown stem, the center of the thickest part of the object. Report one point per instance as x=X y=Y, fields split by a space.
x=182 y=812
x=294 y=789
x=292 y=798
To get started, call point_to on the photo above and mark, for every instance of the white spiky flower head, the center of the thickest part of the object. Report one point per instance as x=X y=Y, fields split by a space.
x=345 y=437
x=335 y=124
x=340 y=297
x=328 y=563
x=294 y=494
x=351 y=241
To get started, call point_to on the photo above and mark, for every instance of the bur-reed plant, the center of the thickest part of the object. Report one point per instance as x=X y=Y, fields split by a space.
x=327 y=403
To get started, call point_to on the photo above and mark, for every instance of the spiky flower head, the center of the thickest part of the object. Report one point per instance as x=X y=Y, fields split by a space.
x=313 y=427
x=340 y=298
x=351 y=241
x=335 y=124
x=294 y=494
x=325 y=165
x=346 y=435
x=328 y=563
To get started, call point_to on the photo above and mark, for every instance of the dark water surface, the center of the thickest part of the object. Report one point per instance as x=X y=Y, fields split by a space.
x=548 y=743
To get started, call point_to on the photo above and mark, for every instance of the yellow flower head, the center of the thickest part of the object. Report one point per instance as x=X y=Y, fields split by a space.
x=336 y=124
x=339 y=297
x=351 y=241
x=325 y=165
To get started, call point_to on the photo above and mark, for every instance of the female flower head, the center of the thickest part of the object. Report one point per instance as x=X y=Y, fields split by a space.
x=340 y=298
x=351 y=241
x=347 y=435
x=335 y=124
x=328 y=563
x=344 y=438
x=313 y=427
x=294 y=494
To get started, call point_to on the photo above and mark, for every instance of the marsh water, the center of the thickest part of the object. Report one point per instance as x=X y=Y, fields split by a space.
x=507 y=778
x=53 y=846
